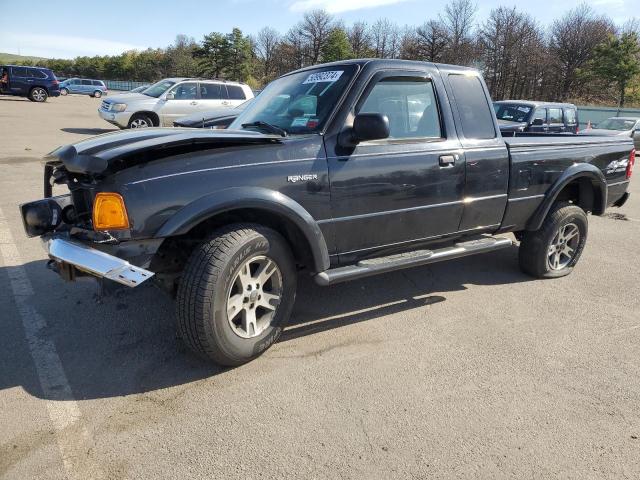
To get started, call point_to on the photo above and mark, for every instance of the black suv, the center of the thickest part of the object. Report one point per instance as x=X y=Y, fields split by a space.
x=35 y=83
x=515 y=116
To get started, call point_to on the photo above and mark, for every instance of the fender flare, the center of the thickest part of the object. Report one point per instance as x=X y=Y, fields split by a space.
x=236 y=198
x=574 y=172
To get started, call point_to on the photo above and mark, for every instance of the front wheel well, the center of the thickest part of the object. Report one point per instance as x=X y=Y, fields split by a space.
x=170 y=259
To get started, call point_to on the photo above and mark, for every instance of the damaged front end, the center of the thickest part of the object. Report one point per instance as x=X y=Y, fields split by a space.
x=75 y=249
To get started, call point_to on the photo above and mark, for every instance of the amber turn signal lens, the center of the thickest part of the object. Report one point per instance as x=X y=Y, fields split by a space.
x=109 y=212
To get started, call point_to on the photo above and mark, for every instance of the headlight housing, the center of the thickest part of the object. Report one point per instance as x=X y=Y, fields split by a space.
x=118 y=107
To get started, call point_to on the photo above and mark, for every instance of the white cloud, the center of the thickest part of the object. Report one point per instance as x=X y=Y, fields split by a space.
x=337 y=6
x=61 y=46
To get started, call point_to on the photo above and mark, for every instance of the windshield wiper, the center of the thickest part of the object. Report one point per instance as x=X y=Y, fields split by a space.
x=266 y=126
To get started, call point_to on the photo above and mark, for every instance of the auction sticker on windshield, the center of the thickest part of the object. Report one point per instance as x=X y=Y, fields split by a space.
x=318 y=77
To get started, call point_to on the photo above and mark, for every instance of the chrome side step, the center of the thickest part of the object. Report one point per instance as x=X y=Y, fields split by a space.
x=367 y=268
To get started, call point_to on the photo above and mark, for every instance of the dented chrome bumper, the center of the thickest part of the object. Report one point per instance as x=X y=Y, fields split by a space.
x=94 y=262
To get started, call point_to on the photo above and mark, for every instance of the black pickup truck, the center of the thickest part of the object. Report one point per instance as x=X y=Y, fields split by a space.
x=342 y=170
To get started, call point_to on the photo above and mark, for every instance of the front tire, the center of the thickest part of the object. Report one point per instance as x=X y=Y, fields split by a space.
x=236 y=294
x=140 y=120
x=555 y=249
x=38 y=94
x=64 y=92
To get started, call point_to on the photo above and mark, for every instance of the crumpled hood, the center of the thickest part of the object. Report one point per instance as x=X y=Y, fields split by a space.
x=118 y=150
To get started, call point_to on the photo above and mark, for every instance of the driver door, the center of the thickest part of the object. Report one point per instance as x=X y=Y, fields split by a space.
x=402 y=189
x=179 y=101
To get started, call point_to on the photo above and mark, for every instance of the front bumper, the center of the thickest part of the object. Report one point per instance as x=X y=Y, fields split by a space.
x=68 y=253
x=120 y=119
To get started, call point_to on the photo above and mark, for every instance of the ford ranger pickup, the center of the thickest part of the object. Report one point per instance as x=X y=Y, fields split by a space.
x=342 y=171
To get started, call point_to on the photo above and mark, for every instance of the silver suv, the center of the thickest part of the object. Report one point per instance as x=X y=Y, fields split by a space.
x=171 y=98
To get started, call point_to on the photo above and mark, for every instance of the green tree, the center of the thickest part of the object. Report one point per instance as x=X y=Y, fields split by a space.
x=239 y=56
x=214 y=54
x=337 y=47
x=617 y=60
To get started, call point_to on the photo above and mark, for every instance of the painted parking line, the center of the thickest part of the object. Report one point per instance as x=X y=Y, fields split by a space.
x=72 y=436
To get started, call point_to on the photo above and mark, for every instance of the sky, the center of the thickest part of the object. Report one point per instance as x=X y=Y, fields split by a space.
x=94 y=27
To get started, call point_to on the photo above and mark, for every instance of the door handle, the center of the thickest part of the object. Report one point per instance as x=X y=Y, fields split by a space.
x=194 y=103
x=447 y=160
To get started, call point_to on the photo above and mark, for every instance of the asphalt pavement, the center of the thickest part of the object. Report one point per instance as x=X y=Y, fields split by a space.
x=464 y=369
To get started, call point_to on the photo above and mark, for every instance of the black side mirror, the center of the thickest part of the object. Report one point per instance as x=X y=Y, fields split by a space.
x=537 y=122
x=370 y=126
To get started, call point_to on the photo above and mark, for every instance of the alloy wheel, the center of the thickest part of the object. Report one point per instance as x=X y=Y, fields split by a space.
x=39 y=95
x=563 y=247
x=139 y=123
x=254 y=296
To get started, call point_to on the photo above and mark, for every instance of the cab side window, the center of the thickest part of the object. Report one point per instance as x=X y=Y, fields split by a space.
x=476 y=115
x=540 y=113
x=86 y=82
x=555 y=115
x=408 y=103
x=19 y=72
x=236 y=93
x=185 y=91
x=210 y=91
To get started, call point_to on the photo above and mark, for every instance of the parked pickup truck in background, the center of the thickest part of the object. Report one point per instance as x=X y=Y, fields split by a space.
x=341 y=171
x=518 y=116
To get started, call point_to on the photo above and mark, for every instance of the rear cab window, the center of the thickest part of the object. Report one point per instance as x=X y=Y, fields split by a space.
x=476 y=114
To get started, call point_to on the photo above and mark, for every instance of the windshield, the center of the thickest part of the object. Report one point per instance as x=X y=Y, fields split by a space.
x=511 y=112
x=299 y=103
x=158 y=88
x=617 y=124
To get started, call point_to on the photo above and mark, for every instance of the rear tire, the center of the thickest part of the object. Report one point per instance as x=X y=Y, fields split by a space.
x=140 y=120
x=236 y=294
x=554 y=250
x=97 y=94
x=38 y=94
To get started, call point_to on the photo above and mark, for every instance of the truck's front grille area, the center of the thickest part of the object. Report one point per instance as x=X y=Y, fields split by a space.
x=105 y=106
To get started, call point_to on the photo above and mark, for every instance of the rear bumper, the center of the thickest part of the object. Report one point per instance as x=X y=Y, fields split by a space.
x=70 y=256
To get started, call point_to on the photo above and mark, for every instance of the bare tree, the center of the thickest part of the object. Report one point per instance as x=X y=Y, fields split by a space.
x=573 y=38
x=315 y=28
x=360 y=39
x=431 y=41
x=512 y=53
x=458 y=20
x=385 y=39
x=266 y=44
